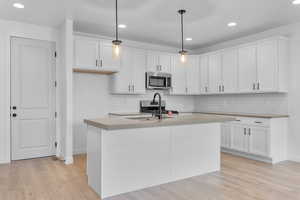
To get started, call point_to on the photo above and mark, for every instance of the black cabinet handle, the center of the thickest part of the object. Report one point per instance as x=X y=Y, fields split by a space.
x=14 y=115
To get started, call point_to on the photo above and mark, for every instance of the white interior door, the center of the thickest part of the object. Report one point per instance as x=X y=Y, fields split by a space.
x=32 y=98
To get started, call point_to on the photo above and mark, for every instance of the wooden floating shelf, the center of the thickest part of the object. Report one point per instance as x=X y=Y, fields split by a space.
x=91 y=71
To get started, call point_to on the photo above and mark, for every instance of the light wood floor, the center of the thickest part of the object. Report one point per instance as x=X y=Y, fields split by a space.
x=239 y=179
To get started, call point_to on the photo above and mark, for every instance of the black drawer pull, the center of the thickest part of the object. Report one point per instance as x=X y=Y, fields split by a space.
x=258 y=122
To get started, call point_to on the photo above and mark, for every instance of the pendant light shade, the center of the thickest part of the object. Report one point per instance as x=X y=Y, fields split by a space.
x=182 y=52
x=116 y=42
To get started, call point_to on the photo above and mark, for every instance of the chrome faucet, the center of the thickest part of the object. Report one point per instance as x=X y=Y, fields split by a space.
x=159 y=114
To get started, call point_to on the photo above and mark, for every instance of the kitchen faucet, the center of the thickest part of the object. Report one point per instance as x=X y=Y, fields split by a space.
x=159 y=114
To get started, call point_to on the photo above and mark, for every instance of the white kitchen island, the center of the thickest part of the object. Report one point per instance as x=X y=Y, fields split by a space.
x=125 y=155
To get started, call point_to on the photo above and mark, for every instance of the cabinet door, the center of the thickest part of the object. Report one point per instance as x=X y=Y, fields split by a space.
x=165 y=63
x=226 y=136
x=139 y=65
x=122 y=80
x=247 y=68
x=267 y=65
x=178 y=77
x=192 y=75
x=259 y=141
x=204 y=84
x=152 y=61
x=230 y=70
x=106 y=55
x=86 y=53
x=239 y=138
x=214 y=72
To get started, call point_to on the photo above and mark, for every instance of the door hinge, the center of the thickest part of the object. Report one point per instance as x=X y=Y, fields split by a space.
x=55 y=54
x=55 y=83
x=55 y=114
x=55 y=144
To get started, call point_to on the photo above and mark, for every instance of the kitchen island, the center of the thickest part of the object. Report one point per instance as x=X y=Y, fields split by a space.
x=125 y=154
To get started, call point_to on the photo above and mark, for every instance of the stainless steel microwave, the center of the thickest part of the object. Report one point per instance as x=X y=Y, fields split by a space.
x=158 y=81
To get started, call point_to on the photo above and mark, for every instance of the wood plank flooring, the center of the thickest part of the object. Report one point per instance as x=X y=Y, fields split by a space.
x=239 y=179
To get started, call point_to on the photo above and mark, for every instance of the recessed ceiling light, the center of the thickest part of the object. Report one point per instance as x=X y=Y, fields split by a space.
x=122 y=26
x=231 y=24
x=188 y=39
x=18 y=5
x=296 y=2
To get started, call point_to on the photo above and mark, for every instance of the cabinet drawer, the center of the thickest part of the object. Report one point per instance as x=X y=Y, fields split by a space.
x=253 y=121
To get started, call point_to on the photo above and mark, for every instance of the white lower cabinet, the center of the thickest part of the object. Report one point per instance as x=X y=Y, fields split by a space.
x=261 y=139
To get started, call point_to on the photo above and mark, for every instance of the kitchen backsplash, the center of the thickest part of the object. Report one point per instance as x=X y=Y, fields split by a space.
x=249 y=103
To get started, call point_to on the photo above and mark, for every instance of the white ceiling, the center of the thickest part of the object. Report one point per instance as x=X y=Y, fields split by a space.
x=157 y=21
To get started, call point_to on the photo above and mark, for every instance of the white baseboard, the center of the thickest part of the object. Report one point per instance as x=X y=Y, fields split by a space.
x=4 y=161
x=294 y=158
x=79 y=151
x=69 y=160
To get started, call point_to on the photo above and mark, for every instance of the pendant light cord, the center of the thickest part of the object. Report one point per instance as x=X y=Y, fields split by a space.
x=117 y=31
x=182 y=31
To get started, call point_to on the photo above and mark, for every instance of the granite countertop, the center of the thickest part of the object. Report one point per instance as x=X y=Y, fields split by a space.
x=115 y=123
x=269 y=116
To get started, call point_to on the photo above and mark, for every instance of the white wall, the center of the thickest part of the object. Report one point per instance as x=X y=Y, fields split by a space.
x=92 y=99
x=8 y=29
x=265 y=103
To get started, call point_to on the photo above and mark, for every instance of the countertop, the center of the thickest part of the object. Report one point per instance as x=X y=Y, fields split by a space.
x=254 y=115
x=115 y=123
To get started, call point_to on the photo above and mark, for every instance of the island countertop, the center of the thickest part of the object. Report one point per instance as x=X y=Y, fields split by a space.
x=115 y=123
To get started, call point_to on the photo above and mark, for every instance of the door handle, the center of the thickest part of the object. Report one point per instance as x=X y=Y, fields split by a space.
x=223 y=88
x=219 y=88
x=258 y=86
x=129 y=88
x=245 y=131
x=249 y=131
x=253 y=86
x=96 y=62
x=101 y=63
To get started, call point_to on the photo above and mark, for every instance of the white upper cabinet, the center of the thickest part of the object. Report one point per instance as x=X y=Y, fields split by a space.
x=94 y=54
x=186 y=76
x=247 y=68
x=178 y=71
x=131 y=77
x=139 y=71
x=204 y=78
x=263 y=66
x=159 y=62
x=107 y=61
x=86 y=53
x=267 y=65
x=193 y=75
x=229 y=71
x=215 y=72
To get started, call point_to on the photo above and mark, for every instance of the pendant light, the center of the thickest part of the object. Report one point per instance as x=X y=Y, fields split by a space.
x=182 y=52
x=116 y=42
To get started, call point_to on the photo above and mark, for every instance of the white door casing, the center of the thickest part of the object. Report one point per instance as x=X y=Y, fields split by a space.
x=32 y=98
